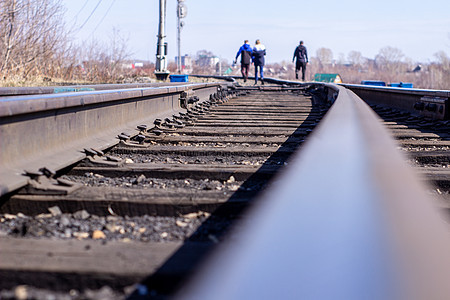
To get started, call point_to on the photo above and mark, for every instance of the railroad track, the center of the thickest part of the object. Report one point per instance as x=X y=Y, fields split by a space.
x=150 y=208
x=172 y=194
x=426 y=145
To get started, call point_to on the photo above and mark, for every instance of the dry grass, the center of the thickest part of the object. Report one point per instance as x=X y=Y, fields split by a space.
x=17 y=81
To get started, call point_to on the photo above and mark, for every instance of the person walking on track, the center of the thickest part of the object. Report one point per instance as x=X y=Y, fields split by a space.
x=245 y=51
x=301 y=55
x=259 y=51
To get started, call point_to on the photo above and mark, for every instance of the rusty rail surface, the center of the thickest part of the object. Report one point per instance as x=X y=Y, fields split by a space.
x=53 y=131
x=347 y=219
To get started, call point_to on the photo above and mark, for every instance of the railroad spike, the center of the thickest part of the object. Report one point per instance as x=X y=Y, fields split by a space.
x=43 y=183
x=140 y=138
x=157 y=132
x=123 y=137
x=142 y=127
x=99 y=152
x=90 y=152
x=33 y=174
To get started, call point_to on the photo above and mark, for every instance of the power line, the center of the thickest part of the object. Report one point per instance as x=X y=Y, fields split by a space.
x=95 y=8
x=104 y=16
x=81 y=9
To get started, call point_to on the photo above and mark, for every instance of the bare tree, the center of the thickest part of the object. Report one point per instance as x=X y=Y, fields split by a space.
x=118 y=52
x=355 y=58
x=324 y=56
x=32 y=34
x=104 y=62
x=389 y=55
x=8 y=31
x=440 y=71
x=390 y=60
x=341 y=59
x=443 y=59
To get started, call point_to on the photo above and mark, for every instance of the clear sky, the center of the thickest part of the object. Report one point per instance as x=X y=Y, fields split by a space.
x=418 y=28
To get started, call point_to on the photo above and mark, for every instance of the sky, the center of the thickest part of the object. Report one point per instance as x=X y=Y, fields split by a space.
x=418 y=28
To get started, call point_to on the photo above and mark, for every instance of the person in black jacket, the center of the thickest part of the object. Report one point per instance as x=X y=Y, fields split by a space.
x=301 y=55
x=246 y=54
x=258 y=59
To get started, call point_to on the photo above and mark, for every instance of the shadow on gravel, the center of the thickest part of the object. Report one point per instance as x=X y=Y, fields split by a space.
x=179 y=268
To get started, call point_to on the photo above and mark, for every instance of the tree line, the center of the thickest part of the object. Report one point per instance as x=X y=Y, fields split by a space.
x=35 y=44
x=389 y=65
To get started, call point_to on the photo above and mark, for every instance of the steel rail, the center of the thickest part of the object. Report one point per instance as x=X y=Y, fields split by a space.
x=433 y=104
x=21 y=91
x=347 y=219
x=429 y=103
x=52 y=131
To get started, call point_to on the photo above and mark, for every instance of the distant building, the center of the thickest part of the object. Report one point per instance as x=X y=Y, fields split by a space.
x=214 y=60
x=207 y=61
x=186 y=61
x=134 y=64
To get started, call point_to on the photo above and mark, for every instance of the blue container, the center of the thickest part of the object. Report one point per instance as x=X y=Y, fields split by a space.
x=407 y=85
x=179 y=78
x=373 y=82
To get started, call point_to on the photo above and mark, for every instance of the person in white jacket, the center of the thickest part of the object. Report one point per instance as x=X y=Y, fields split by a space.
x=259 y=51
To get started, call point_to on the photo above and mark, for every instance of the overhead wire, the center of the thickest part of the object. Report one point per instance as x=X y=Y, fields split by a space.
x=95 y=8
x=81 y=9
x=104 y=16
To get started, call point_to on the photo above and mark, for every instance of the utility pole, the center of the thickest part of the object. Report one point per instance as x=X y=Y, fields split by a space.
x=161 y=71
x=181 y=13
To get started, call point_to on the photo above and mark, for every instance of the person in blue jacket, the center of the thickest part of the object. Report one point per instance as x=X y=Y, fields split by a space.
x=259 y=51
x=246 y=55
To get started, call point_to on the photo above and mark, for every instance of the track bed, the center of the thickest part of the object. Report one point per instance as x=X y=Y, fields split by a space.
x=153 y=217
